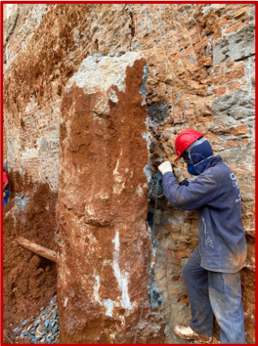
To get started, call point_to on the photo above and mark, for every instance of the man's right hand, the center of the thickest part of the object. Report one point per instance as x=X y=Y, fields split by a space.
x=178 y=174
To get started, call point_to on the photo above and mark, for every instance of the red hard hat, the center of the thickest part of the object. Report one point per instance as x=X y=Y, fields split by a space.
x=184 y=140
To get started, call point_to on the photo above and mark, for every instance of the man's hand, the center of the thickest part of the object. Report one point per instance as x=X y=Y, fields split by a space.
x=165 y=167
x=178 y=174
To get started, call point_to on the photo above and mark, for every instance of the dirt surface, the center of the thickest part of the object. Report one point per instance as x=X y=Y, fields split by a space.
x=29 y=280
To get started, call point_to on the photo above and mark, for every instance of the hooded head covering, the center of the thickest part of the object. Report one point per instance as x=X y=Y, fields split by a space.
x=198 y=155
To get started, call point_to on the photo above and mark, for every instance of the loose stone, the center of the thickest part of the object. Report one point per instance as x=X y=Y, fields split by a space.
x=46 y=323
x=41 y=329
x=38 y=335
x=24 y=323
x=29 y=327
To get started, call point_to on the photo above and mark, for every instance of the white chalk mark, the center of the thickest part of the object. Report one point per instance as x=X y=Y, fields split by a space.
x=109 y=304
x=96 y=290
x=121 y=277
x=115 y=171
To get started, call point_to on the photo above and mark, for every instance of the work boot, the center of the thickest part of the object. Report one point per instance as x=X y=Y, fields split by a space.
x=188 y=334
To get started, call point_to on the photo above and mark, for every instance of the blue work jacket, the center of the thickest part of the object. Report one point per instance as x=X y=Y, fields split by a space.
x=216 y=195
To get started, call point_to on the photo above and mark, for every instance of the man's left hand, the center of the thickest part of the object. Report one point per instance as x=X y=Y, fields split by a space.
x=165 y=167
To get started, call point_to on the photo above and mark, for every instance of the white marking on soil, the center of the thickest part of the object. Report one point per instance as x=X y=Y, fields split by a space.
x=139 y=190
x=109 y=304
x=113 y=96
x=104 y=197
x=119 y=186
x=121 y=277
x=65 y=302
x=89 y=208
x=115 y=171
x=96 y=290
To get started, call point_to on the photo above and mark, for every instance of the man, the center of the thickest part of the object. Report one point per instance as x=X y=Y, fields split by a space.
x=5 y=183
x=211 y=275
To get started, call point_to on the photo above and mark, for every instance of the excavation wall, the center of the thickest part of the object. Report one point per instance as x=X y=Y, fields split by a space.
x=94 y=97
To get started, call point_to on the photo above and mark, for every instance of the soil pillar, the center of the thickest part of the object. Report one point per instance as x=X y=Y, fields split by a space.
x=103 y=237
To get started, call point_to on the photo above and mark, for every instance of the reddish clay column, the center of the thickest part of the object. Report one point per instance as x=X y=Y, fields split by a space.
x=103 y=236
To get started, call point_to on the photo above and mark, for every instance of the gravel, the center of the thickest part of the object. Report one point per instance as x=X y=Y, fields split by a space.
x=43 y=329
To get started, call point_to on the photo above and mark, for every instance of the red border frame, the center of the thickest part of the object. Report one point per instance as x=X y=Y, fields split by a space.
x=105 y=2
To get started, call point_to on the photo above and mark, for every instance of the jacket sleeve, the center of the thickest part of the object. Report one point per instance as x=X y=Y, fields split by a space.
x=199 y=191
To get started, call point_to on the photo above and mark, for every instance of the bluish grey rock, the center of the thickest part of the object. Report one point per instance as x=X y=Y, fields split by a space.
x=53 y=313
x=55 y=328
x=46 y=323
x=37 y=321
x=24 y=323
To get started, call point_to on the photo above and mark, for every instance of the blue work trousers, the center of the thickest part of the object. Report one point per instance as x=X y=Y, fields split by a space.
x=214 y=293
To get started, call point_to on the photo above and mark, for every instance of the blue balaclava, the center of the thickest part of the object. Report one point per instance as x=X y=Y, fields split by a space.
x=197 y=156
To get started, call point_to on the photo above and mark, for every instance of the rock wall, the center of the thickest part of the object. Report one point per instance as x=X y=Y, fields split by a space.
x=200 y=74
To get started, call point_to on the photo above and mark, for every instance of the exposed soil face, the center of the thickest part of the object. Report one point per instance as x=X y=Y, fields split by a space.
x=103 y=240
x=29 y=280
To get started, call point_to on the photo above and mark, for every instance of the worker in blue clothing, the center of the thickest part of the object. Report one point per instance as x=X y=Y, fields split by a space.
x=211 y=275
x=5 y=183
